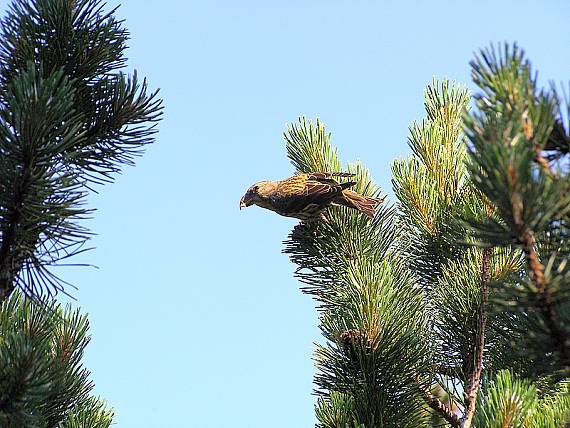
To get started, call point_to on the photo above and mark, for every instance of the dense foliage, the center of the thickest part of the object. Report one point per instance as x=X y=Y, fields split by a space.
x=450 y=307
x=69 y=120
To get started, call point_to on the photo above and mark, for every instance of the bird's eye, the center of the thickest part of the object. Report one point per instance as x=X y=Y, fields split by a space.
x=255 y=188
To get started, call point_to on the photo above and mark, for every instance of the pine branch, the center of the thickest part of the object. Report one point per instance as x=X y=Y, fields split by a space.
x=370 y=310
x=67 y=119
x=42 y=380
x=441 y=408
x=545 y=304
x=536 y=268
x=512 y=126
x=475 y=375
x=39 y=203
x=510 y=401
x=434 y=190
x=90 y=413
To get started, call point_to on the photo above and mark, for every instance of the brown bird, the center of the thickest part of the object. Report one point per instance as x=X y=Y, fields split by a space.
x=306 y=196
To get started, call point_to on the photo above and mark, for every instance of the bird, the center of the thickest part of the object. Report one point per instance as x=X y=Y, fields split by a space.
x=307 y=195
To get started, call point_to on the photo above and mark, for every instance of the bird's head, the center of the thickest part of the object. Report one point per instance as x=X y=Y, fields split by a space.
x=257 y=193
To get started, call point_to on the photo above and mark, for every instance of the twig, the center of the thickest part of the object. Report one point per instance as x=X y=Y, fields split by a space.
x=543 y=162
x=475 y=376
x=441 y=408
x=528 y=130
x=535 y=266
x=536 y=274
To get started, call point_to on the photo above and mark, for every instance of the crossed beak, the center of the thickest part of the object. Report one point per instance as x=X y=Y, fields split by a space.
x=243 y=203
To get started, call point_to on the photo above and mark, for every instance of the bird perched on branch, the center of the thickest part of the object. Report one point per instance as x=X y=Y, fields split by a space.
x=306 y=196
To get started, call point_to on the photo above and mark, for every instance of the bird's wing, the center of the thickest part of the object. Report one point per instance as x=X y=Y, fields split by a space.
x=325 y=189
x=296 y=193
x=326 y=177
x=308 y=185
x=321 y=184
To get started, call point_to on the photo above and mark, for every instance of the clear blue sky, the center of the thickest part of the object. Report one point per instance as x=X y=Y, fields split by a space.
x=195 y=315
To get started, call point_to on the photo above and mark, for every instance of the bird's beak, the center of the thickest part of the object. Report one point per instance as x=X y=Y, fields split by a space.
x=246 y=201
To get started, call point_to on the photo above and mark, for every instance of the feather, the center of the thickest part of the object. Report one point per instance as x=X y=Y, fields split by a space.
x=307 y=195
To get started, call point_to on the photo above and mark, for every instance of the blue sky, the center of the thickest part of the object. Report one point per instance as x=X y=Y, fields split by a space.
x=196 y=318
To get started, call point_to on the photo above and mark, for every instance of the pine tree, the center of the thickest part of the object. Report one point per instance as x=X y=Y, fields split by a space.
x=42 y=381
x=450 y=307
x=69 y=120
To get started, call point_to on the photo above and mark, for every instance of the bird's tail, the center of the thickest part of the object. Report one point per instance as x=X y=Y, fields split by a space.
x=364 y=204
